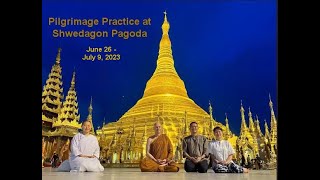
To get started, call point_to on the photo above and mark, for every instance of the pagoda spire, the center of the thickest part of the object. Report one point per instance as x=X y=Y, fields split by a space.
x=228 y=132
x=211 y=119
x=58 y=58
x=266 y=130
x=251 y=124
x=165 y=72
x=243 y=120
x=89 y=117
x=210 y=110
x=104 y=121
x=73 y=81
x=90 y=108
x=271 y=105
x=273 y=122
x=165 y=63
x=257 y=127
x=52 y=95
x=69 y=115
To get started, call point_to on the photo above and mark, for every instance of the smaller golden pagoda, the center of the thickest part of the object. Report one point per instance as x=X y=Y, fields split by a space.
x=52 y=95
x=89 y=117
x=63 y=127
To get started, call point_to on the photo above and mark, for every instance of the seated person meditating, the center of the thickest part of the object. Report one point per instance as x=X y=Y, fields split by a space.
x=159 y=153
x=221 y=153
x=195 y=150
x=85 y=152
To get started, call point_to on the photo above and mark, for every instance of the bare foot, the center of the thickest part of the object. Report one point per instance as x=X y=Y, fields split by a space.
x=245 y=170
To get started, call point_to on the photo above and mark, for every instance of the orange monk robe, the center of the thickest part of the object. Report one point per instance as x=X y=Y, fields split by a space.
x=160 y=148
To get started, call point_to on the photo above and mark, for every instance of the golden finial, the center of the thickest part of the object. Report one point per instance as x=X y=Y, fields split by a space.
x=270 y=102
x=58 y=58
x=90 y=106
x=73 y=81
x=226 y=118
x=165 y=15
x=165 y=25
x=210 y=109
x=241 y=108
x=269 y=97
x=89 y=117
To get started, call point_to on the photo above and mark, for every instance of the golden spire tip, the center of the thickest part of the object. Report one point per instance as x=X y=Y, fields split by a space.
x=58 y=58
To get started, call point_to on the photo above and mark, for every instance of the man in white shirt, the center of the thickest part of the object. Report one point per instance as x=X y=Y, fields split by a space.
x=221 y=153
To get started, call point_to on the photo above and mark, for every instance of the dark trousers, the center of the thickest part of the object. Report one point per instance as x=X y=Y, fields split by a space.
x=201 y=166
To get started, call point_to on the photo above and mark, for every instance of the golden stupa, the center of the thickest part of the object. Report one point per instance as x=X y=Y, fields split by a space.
x=166 y=100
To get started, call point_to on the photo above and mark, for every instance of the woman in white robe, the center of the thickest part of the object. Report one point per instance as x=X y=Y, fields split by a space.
x=85 y=152
x=221 y=153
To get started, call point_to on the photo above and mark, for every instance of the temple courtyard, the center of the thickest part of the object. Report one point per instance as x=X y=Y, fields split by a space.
x=49 y=173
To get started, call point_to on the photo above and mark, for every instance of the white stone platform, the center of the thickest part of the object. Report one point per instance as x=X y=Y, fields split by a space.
x=134 y=173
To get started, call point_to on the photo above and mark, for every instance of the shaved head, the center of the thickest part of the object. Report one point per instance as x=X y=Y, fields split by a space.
x=157 y=128
x=156 y=124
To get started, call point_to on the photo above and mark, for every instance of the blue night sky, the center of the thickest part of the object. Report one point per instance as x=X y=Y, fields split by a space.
x=224 y=51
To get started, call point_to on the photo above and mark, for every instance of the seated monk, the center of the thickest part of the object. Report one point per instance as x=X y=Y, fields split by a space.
x=159 y=153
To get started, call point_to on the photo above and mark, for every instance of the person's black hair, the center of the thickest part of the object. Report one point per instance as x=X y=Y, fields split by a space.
x=85 y=121
x=193 y=123
x=217 y=128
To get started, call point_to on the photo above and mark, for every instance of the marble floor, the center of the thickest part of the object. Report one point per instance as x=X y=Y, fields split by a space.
x=134 y=173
